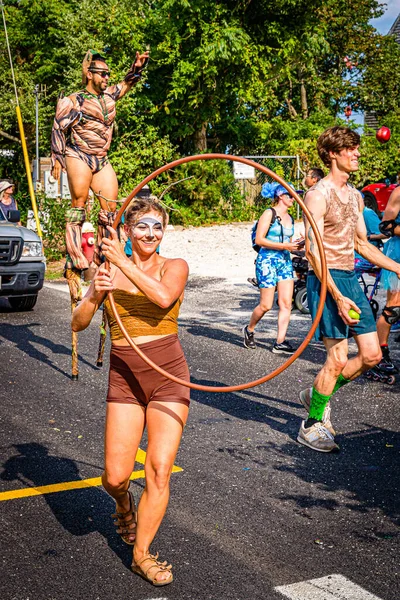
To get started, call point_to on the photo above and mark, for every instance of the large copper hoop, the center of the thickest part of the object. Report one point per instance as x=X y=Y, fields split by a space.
x=303 y=345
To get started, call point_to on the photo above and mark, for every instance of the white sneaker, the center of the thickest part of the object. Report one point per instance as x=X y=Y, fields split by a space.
x=305 y=399
x=317 y=437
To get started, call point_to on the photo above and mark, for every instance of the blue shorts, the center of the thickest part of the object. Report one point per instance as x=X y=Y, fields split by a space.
x=272 y=267
x=331 y=324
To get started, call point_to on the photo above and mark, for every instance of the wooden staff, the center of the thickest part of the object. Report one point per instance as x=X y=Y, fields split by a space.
x=102 y=341
x=73 y=277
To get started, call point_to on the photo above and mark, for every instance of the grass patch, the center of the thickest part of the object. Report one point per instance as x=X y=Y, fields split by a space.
x=55 y=270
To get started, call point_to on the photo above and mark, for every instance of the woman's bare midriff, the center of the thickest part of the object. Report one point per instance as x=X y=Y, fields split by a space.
x=142 y=339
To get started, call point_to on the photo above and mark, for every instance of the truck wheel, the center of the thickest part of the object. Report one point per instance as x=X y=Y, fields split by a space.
x=301 y=301
x=21 y=303
x=370 y=202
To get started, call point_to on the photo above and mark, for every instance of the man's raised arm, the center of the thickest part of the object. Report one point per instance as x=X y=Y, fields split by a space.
x=133 y=75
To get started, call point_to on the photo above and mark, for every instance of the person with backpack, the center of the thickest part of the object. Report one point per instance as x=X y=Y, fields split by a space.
x=272 y=238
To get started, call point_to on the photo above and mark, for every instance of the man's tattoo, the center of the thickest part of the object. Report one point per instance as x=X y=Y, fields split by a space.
x=310 y=238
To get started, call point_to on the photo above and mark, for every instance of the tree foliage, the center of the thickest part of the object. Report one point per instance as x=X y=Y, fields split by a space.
x=225 y=75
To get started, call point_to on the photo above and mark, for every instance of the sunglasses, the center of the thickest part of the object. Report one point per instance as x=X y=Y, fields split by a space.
x=100 y=72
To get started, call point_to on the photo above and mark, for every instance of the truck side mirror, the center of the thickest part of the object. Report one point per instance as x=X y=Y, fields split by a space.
x=14 y=216
x=387 y=182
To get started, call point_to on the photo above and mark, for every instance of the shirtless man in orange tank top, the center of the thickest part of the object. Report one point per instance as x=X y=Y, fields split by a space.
x=337 y=210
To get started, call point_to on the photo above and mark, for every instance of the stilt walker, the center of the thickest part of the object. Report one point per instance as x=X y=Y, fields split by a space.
x=81 y=137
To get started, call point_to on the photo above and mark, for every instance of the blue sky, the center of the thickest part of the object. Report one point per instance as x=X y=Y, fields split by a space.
x=384 y=23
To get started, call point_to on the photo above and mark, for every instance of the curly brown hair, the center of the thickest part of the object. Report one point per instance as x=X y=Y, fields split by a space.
x=336 y=139
x=141 y=206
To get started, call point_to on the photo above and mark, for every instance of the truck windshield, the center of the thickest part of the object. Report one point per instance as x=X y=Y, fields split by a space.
x=2 y=216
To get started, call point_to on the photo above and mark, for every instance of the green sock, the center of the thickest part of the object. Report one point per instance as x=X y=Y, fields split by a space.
x=317 y=405
x=339 y=383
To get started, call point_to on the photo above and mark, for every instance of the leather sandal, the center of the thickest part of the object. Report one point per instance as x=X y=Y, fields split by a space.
x=150 y=570
x=125 y=521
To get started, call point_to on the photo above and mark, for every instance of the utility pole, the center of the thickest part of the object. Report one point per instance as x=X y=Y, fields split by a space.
x=36 y=163
x=21 y=130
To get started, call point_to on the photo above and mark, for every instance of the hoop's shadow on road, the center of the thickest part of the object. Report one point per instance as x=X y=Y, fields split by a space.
x=315 y=354
x=26 y=340
x=244 y=405
x=220 y=335
x=366 y=469
x=79 y=512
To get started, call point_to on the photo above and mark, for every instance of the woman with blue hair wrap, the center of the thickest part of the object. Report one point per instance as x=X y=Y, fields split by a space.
x=274 y=266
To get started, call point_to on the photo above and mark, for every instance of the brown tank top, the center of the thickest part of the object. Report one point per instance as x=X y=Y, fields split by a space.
x=140 y=316
x=340 y=223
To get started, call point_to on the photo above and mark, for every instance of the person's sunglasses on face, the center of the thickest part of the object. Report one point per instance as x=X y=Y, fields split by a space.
x=100 y=72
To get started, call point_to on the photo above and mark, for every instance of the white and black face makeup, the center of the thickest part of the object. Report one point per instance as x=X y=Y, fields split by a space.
x=147 y=227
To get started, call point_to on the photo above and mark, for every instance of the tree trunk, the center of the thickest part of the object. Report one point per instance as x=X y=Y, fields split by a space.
x=292 y=110
x=200 y=139
x=303 y=96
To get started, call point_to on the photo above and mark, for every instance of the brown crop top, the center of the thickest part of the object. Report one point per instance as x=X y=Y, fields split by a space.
x=340 y=223
x=140 y=316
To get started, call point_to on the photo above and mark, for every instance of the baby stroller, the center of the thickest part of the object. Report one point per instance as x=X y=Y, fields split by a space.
x=300 y=268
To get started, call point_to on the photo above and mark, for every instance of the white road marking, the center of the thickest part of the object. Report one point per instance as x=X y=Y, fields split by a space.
x=332 y=587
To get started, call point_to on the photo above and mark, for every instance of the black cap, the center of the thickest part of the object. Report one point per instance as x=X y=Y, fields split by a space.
x=145 y=192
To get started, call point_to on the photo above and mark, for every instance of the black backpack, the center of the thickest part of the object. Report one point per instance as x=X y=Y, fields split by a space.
x=275 y=217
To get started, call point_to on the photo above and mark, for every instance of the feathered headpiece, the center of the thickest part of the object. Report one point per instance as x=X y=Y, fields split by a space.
x=268 y=189
x=273 y=190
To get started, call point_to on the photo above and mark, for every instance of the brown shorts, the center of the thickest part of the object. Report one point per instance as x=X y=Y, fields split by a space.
x=132 y=381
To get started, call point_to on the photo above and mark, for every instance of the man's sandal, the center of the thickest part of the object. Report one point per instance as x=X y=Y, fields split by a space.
x=150 y=570
x=125 y=521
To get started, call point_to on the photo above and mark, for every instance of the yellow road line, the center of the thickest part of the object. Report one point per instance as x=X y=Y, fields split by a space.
x=72 y=485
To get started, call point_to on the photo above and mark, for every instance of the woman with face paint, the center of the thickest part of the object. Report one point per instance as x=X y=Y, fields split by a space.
x=148 y=291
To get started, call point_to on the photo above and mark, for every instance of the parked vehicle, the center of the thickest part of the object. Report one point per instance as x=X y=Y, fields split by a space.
x=376 y=195
x=22 y=262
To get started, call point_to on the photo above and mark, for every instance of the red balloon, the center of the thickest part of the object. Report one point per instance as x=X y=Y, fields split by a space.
x=383 y=135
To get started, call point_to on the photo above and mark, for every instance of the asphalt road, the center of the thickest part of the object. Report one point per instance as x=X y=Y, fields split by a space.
x=251 y=510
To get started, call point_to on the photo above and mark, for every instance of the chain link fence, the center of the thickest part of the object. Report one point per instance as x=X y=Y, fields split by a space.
x=287 y=167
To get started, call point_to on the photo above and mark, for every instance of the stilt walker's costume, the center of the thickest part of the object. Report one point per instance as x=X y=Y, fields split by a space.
x=82 y=129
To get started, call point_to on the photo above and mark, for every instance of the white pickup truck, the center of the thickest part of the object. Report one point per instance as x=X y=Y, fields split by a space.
x=22 y=262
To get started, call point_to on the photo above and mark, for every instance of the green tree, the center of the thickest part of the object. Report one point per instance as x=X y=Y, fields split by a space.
x=245 y=77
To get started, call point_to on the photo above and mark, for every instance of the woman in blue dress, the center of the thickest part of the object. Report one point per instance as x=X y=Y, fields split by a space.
x=274 y=269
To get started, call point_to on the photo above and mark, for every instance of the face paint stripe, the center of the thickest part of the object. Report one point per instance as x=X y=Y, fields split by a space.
x=150 y=223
